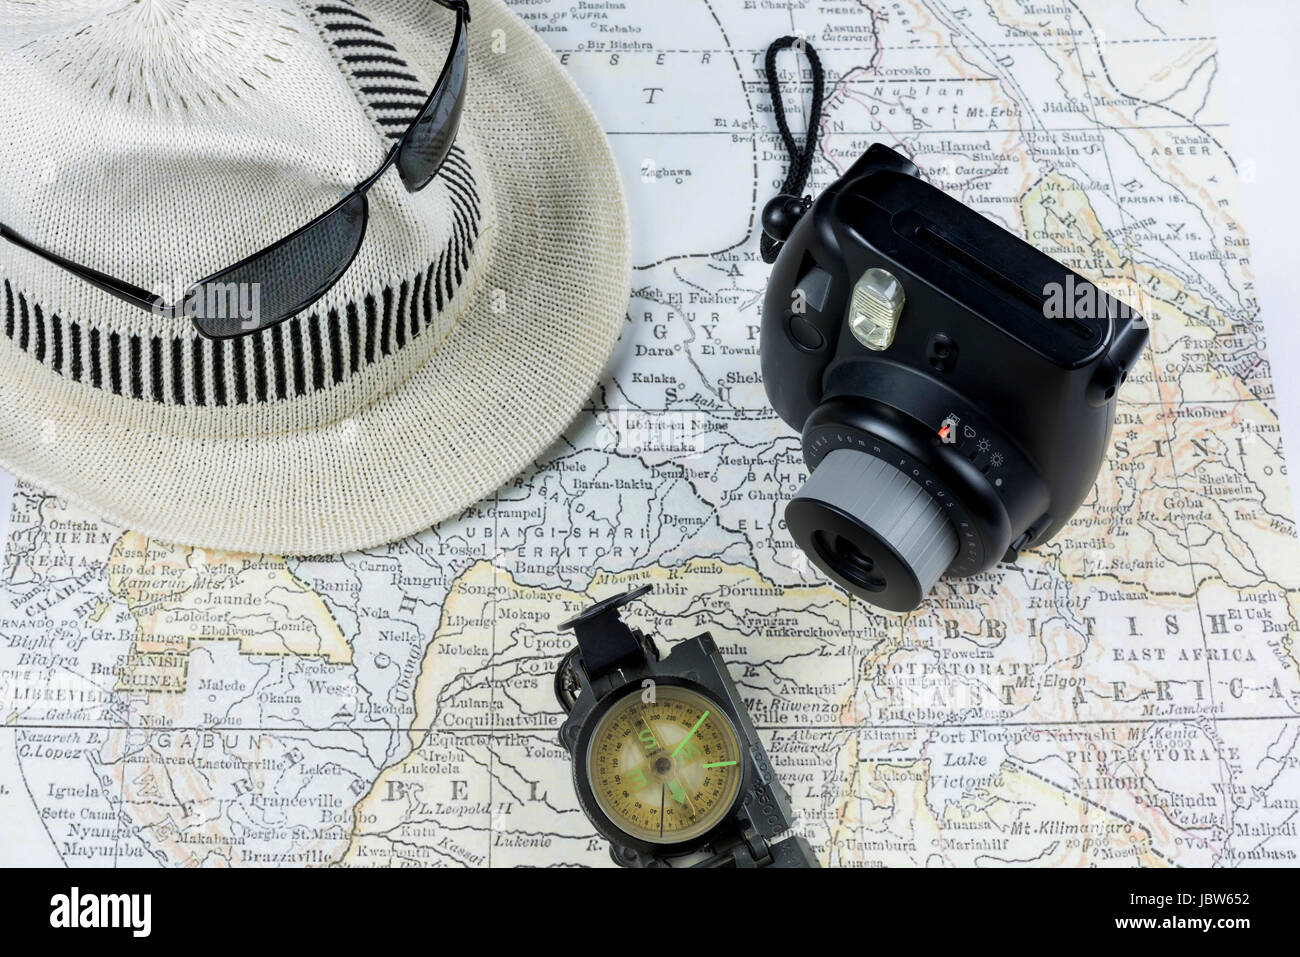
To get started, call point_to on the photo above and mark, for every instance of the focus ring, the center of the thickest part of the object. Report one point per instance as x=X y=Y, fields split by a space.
x=873 y=529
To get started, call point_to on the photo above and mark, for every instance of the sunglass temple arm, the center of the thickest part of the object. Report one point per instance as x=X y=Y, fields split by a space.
x=124 y=291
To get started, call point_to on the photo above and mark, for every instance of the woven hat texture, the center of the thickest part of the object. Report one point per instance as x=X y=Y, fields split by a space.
x=162 y=140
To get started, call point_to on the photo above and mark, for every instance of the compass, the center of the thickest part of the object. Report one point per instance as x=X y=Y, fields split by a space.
x=667 y=764
x=666 y=771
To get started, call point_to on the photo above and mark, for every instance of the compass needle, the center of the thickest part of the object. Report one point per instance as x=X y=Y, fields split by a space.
x=652 y=743
x=681 y=744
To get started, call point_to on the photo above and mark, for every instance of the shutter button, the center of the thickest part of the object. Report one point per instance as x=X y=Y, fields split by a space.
x=805 y=334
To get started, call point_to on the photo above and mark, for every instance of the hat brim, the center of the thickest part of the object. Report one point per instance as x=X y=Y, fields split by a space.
x=516 y=369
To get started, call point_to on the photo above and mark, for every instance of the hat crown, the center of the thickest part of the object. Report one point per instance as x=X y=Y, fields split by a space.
x=161 y=141
x=155 y=55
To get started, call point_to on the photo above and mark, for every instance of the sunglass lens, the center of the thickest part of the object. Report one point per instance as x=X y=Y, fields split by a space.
x=282 y=281
x=430 y=139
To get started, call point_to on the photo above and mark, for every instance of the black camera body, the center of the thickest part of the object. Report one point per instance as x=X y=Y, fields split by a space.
x=955 y=387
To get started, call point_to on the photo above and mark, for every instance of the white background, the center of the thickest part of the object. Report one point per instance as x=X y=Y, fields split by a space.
x=1258 y=60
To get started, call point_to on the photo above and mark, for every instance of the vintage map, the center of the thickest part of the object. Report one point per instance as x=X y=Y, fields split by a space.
x=1127 y=695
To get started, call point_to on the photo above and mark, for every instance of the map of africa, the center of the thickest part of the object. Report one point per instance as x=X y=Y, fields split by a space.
x=1128 y=694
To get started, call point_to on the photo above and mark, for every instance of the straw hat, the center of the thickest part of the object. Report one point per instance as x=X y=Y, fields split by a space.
x=161 y=140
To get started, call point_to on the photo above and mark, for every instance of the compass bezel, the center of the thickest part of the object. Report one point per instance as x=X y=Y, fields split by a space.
x=610 y=829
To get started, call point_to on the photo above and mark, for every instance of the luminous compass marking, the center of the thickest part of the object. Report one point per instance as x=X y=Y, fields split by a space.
x=693 y=730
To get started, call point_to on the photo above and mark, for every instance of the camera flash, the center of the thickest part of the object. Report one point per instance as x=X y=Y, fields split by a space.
x=877 y=303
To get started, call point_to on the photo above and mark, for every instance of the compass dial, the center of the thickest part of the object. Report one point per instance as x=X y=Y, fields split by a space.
x=665 y=771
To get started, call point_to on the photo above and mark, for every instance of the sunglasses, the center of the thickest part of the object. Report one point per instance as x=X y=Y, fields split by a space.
x=296 y=271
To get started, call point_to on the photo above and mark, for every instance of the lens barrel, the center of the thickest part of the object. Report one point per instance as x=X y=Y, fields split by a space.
x=872 y=529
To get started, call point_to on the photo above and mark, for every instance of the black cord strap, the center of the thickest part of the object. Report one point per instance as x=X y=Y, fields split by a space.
x=788 y=206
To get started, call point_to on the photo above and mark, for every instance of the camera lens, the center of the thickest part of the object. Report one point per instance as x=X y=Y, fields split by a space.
x=850 y=559
x=872 y=529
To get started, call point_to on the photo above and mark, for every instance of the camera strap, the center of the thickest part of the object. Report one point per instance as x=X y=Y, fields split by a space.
x=788 y=203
